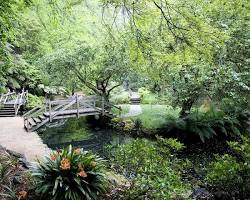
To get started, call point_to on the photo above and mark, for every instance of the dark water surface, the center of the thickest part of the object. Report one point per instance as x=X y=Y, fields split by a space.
x=79 y=133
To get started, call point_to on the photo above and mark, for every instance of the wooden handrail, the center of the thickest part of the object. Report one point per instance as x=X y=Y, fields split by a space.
x=30 y=111
x=113 y=105
x=7 y=95
x=16 y=105
x=76 y=107
x=62 y=102
x=64 y=108
x=1 y=98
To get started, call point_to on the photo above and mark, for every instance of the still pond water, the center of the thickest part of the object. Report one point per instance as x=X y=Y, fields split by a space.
x=79 y=133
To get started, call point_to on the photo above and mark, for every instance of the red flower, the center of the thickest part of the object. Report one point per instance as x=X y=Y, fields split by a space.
x=53 y=157
x=65 y=164
x=82 y=173
x=22 y=195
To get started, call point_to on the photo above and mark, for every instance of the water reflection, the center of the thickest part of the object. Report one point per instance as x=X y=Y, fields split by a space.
x=78 y=133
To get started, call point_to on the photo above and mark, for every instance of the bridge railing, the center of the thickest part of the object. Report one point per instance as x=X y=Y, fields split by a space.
x=57 y=107
x=7 y=97
x=21 y=99
x=47 y=106
x=76 y=106
x=17 y=99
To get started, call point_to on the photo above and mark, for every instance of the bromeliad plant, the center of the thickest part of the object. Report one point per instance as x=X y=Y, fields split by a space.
x=70 y=174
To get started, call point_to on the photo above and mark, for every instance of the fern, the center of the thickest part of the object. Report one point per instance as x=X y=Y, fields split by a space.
x=206 y=125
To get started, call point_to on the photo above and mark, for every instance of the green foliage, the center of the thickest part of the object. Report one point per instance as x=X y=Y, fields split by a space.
x=15 y=181
x=151 y=166
x=34 y=101
x=172 y=144
x=224 y=173
x=116 y=120
x=143 y=91
x=230 y=173
x=126 y=125
x=137 y=124
x=9 y=193
x=124 y=107
x=71 y=174
x=154 y=116
x=7 y=162
x=121 y=97
x=4 y=173
x=206 y=124
x=242 y=147
x=189 y=47
x=147 y=97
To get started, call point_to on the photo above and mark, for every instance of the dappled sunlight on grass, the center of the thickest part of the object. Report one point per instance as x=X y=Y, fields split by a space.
x=124 y=107
x=155 y=116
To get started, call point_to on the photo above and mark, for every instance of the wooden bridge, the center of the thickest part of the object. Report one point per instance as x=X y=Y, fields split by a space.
x=74 y=106
x=11 y=102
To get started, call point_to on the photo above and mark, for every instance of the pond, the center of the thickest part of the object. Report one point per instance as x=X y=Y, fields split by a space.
x=79 y=133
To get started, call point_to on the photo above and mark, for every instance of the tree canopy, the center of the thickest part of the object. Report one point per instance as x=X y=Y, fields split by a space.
x=191 y=49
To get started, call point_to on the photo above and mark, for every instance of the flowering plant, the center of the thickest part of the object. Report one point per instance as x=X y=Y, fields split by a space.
x=70 y=174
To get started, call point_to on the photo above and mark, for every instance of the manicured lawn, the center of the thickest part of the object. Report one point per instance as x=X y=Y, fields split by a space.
x=124 y=107
x=154 y=116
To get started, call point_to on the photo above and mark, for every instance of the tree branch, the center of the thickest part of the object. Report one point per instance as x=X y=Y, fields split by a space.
x=113 y=88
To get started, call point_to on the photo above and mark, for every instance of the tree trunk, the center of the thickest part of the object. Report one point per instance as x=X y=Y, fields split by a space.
x=106 y=100
x=186 y=108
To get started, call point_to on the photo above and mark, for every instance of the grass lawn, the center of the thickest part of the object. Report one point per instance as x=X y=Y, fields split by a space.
x=154 y=116
x=124 y=107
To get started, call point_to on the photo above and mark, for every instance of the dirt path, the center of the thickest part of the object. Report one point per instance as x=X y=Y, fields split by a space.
x=13 y=137
x=134 y=109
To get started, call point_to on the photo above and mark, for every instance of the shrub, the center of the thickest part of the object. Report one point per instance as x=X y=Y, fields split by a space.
x=224 y=173
x=147 y=97
x=154 y=116
x=205 y=124
x=172 y=144
x=72 y=174
x=232 y=173
x=122 y=97
x=34 y=101
x=116 y=120
x=127 y=124
x=143 y=91
x=150 y=166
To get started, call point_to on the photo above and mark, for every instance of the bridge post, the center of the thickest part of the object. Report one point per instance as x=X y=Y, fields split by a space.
x=6 y=96
x=77 y=105
x=27 y=98
x=50 y=116
x=103 y=105
x=46 y=103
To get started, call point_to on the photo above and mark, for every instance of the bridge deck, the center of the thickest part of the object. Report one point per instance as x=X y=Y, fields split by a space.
x=71 y=112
